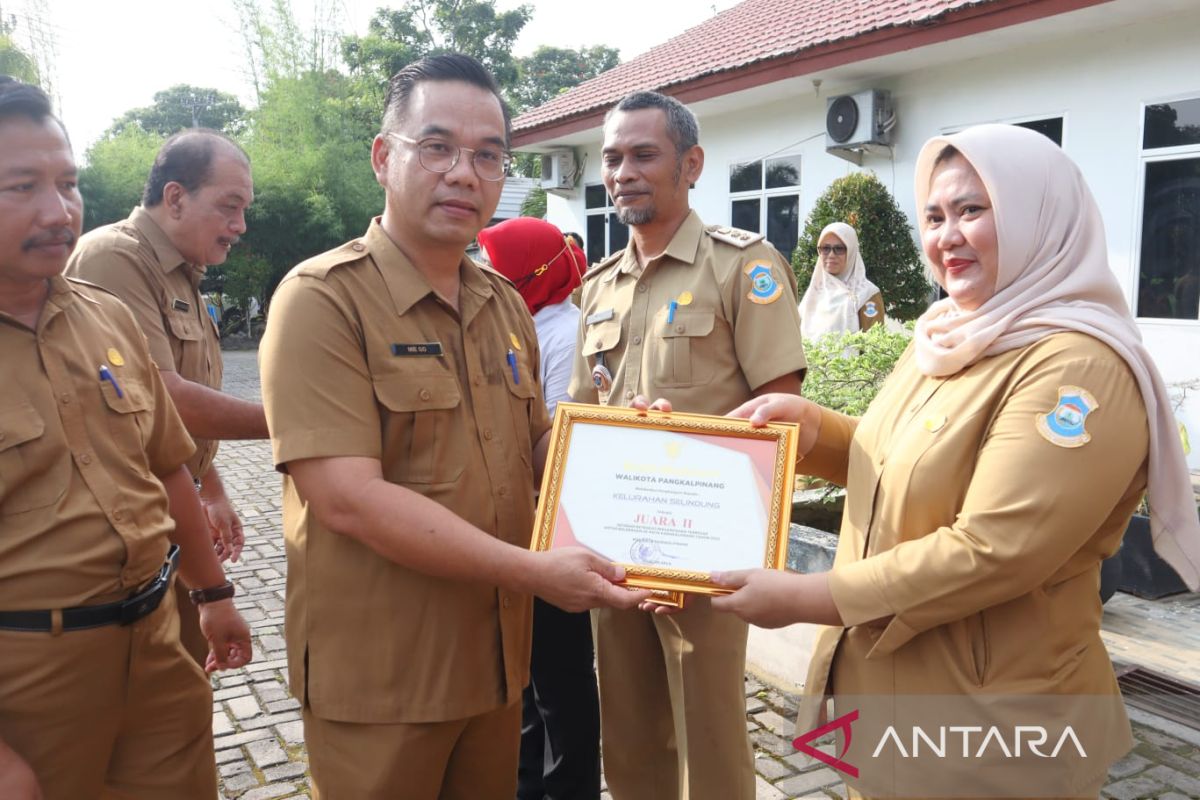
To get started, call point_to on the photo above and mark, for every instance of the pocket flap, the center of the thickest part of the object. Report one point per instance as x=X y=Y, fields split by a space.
x=601 y=336
x=185 y=328
x=20 y=424
x=689 y=322
x=417 y=392
x=133 y=397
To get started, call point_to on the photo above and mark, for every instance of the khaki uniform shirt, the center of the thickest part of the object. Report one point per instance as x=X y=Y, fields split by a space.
x=729 y=337
x=871 y=312
x=361 y=358
x=83 y=520
x=136 y=261
x=970 y=548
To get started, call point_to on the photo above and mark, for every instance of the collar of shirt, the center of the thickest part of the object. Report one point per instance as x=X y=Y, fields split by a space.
x=168 y=256
x=684 y=246
x=407 y=285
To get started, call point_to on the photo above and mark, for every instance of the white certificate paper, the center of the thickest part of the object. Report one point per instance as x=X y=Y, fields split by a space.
x=664 y=499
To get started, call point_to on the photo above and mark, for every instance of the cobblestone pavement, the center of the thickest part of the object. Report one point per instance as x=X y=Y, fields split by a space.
x=259 y=736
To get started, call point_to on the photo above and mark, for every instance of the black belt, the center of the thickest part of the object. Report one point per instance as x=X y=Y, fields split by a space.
x=122 y=612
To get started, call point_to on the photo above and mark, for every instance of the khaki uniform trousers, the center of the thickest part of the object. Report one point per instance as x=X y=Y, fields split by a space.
x=673 y=704
x=190 y=634
x=467 y=759
x=116 y=713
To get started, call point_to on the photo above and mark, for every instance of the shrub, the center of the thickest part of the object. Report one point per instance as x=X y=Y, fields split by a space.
x=845 y=370
x=884 y=236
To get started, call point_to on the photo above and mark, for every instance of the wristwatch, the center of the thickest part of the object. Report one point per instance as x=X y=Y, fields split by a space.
x=223 y=592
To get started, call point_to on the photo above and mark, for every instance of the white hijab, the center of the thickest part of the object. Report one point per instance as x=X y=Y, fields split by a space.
x=831 y=302
x=1054 y=276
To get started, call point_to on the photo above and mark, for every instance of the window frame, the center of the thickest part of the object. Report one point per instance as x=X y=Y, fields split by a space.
x=607 y=210
x=763 y=194
x=1153 y=155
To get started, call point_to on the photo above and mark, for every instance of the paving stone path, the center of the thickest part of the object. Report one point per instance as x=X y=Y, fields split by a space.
x=256 y=722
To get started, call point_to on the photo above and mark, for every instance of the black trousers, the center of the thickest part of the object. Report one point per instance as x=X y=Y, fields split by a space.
x=560 y=725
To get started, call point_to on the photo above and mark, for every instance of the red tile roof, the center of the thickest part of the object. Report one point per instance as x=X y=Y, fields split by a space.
x=751 y=33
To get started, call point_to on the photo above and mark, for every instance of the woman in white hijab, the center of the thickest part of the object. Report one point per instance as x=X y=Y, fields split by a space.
x=839 y=298
x=996 y=469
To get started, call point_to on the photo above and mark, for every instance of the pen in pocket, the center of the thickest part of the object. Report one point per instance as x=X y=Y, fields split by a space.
x=106 y=375
x=512 y=363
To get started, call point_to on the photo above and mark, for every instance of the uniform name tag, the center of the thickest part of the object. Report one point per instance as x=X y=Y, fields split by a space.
x=419 y=349
x=600 y=316
x=181 y=305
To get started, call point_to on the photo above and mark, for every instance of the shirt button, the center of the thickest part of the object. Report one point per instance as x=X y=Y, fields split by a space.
x=358 y=247
x=679 y=329
x=66 y=398
x=502 y=491
x=642 y=288
x=487 y=434
x=118 y=515
x=85 y=459
x=505 y=602
x=478 y=380
x=424 y=394
x=637 y=340
x=629 y=394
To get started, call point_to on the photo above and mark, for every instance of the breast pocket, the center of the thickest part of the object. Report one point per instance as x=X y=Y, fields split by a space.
x=681 y=357
x=601 y=337
x=520 y=398
x=424 y=438
x=33 y=472
x=129 y=416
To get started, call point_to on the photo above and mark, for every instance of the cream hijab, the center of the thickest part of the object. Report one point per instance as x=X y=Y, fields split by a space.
x=831 y=302
x=1054 y=276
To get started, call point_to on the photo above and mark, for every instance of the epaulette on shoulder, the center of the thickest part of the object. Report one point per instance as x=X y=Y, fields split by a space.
x=489 y=269
x=320 y=265
x=599 y=267
x=734 y=236
x=92 y=286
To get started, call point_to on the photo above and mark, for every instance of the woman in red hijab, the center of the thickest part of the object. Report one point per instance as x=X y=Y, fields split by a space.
x=560 y=730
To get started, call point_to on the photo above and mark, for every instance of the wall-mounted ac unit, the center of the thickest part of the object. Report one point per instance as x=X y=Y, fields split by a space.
x=854 y=122
x=558 y=170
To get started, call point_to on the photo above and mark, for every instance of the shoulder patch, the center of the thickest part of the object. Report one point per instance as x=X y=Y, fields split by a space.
x=870 y=309
x=734 y=236
x=1063 y=425
x=600 y=266
x=764 y=289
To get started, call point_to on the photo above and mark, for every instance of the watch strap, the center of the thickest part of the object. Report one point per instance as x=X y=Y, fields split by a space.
x=222 y=592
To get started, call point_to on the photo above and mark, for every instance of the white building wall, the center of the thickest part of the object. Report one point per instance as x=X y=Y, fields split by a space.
x=1098 y=83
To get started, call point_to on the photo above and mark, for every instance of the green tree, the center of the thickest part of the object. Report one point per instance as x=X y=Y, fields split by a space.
x=183 y=106
x=885 y=242
x=14 y=61
x=112 y=181
x=535 y=204
x=398 y=37
x=552 y=70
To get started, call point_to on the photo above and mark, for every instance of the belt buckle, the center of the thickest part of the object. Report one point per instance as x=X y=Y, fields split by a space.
x=147 y=600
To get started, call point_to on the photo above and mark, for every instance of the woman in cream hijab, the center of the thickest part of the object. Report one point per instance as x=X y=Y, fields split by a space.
x=839 y=298
x=995 y=470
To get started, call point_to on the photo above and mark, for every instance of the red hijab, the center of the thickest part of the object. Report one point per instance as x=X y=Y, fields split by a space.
x=544 y=265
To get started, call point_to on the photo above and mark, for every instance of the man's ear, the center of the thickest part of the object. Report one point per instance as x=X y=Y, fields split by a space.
x=380 y=153
x=172 y=199
x=693 y=164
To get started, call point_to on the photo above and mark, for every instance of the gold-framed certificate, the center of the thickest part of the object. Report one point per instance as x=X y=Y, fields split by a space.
x=671 y=497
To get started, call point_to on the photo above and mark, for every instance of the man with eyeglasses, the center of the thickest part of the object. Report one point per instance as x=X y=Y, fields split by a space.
x=402 y=392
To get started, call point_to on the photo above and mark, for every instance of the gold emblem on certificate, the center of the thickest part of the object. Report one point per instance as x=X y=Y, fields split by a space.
x=671 y=497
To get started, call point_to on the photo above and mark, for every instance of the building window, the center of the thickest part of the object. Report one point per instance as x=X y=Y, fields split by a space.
x=1169 y=256
x=605 y=233
x=1051 y=128
x=764 y=197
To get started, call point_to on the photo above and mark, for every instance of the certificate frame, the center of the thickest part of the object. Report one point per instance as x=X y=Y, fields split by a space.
x=669 y=584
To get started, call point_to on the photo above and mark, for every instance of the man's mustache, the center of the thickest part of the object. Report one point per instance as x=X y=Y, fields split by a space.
x=49 y=238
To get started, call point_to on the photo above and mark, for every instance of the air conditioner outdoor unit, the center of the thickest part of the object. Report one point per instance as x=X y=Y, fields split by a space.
x=857 y=121
x=558 y=170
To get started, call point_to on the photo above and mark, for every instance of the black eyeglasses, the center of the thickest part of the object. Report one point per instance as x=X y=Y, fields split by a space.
x=438 y=155
x=836 y=249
